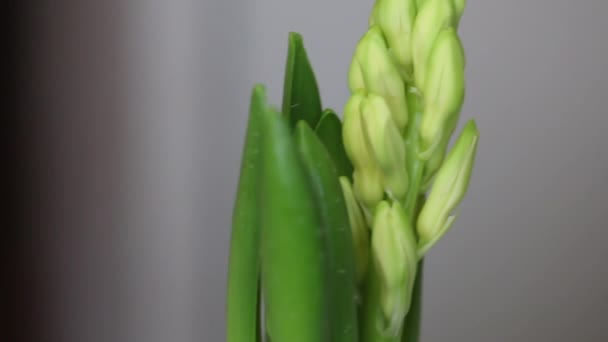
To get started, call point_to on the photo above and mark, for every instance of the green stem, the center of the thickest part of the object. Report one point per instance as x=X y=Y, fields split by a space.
x=415 y=166
x=411 y=326
x=413 y=203
x=370 y=321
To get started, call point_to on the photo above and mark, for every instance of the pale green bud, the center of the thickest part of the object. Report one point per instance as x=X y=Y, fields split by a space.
x=434 y=162
x=374 y=64
x=386 y=143
x=448 y=189
x=459 y=6
x=395 y=261
x=352 y=132
x=356 y=77
x=368 y=190
x=432 y=17
x=367 y=176
x=359 y=230
x=355 y=74
x=373 y=18
x=396 y=19
x=445 y=87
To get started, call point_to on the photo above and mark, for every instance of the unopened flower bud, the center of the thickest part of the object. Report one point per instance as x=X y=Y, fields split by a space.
x=396 y=19
x=373 y=18
x=395 y=261
x=386 y=144
x=374 y=65
x=432 y=17
x=356 y=82
x=448 y=189
x=359 y=230
x=459 y=6
x=367 y=176
x=435 y=160
x=444 y=88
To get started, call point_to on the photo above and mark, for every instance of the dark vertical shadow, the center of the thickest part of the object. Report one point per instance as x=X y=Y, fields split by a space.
x=61 y=171
x=22 y=303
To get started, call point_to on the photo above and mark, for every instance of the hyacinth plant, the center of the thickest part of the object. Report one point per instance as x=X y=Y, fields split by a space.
x=333 y=217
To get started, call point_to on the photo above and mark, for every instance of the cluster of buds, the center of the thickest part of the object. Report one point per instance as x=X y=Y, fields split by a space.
x=410 y=46
x=375 y=145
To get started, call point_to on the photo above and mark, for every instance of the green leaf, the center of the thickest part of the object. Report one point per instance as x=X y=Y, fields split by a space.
x=242 y=293
x=301 y=100
x=292 y=248
x=329 y=130
x=331 y=207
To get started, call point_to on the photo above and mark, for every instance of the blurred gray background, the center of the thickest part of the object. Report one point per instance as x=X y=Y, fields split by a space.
x=138 y=111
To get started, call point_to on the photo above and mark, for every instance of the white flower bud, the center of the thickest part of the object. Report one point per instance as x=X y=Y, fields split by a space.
x=395 y=262
x=432 y=17
x=367 y=176
x=448 y=189
x=386 y=144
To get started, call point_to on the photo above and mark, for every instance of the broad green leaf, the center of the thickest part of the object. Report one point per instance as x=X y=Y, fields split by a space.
x=301 y=100
x=329 y=131
x=331 y=208
x=292 y=250
x=242 y=293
